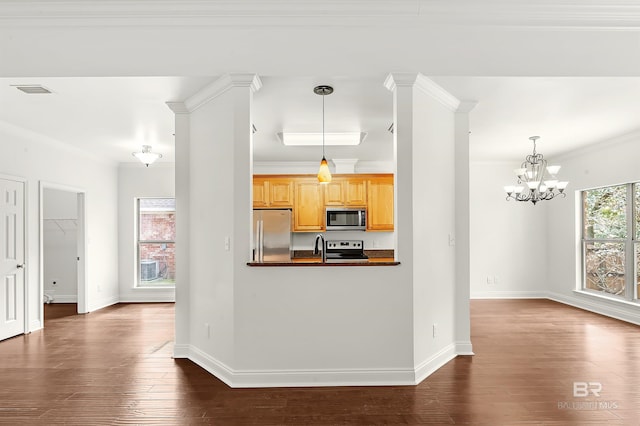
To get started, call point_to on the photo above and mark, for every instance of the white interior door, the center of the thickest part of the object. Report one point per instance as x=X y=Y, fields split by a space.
x=11 y=258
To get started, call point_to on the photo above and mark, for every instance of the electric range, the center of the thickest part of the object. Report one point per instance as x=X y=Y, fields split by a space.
x=345 y=251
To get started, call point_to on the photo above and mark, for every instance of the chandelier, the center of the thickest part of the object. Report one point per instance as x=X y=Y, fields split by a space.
x=536 y=180
x=146 y=156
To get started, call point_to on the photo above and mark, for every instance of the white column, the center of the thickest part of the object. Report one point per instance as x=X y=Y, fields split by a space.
x=213 y=218
x=462 y=230
x=401 y=85
x=182 y=294
x=425 y=155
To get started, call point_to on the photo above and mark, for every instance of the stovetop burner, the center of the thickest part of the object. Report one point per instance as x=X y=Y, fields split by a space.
x=346 y=251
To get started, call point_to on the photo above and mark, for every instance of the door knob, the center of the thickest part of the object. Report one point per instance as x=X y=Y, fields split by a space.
x=21 y=265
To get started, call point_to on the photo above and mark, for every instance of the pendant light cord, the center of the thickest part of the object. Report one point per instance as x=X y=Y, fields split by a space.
x=323 y=126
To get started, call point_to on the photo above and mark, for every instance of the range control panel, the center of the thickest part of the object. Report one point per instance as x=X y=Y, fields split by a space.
x=345 y=245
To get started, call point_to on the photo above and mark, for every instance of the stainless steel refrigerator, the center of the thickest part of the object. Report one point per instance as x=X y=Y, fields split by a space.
x=272 y=235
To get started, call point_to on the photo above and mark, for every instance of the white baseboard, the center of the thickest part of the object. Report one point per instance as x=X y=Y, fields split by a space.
x=433 y=363
x=603 y=308
x=587 y=302
x=181 y=351
x=34 y=325
x=509 y=295
x=212 y=365
x=64 y=298
x=150 y=297
x=104 y=303
x=301 y=378
x=464 y=348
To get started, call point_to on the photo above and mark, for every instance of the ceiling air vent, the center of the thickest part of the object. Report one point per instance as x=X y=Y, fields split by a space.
x=32 y=89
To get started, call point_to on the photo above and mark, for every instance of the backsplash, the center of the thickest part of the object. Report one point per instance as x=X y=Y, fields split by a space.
x=372 y=240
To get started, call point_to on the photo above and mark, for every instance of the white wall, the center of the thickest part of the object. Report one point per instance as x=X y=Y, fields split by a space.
x=508 y=238
x=134 y=181
x=60 y=246
x=37 y=158
x=274 y=326
x=609 y=163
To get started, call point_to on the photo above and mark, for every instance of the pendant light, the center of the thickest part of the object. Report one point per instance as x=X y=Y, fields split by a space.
x=146 y=156
x=324 y=175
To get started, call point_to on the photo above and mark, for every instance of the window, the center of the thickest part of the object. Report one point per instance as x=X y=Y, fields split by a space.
x=611 y=240
x=156 y=242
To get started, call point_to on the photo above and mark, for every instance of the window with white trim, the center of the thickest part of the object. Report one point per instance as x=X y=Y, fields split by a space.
x=156 y=234
x=611 y=241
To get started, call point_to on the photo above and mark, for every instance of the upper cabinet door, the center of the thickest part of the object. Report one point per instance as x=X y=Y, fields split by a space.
x=274 y=192
x=355 y=190
x=280 y=192
x=308 y=211
x=260 y=192
x=380 y=203
x=334 y=192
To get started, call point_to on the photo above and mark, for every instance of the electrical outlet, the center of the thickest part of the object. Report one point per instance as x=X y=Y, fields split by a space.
x=495 y=279
x=227 y=243
x=207 y=330
x=435 y=330
x=489 y=280
x=452 y=240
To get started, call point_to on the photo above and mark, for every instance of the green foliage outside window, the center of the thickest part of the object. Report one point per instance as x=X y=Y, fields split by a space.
x=605 y=218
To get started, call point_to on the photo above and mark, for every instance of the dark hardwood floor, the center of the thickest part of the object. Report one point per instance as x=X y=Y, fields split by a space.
x=114 y=367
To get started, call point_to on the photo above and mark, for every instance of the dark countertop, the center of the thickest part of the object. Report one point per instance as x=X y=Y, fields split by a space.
x=316 y=262
x=306 y=258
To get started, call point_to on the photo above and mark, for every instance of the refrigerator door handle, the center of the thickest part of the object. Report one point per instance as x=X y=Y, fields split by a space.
x=260 y=241
x=256 y=242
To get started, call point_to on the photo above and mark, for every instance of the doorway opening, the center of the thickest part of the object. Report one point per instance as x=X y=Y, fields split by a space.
x=62 y=249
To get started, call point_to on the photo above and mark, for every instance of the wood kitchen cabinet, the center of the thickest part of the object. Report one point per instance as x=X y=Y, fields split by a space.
x=334 y=192
x=307 y=198
x=380 y=203
x=308 y=210
x=355 y=192
x=260 y=192
x=276 y=192
x=348 y=191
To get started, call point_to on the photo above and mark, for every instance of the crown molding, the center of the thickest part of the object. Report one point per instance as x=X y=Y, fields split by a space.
x=400 y=79
x=466 y=107
x=632 y=137
x=426 y=85
x=311 y=167
x=220 y=86
x=52 y=142
x=576 y=14
x=429 y=87
x=177 y=107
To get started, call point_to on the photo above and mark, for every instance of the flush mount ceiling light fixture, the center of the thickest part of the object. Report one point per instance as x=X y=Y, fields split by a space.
x=324 y=175
x=146 y=156
x=313 y=139
x=540 y=180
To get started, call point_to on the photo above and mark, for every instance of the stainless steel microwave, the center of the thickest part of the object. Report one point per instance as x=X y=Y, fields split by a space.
x=346 y=219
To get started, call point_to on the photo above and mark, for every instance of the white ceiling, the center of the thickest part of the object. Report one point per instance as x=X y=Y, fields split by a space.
x=563 y=72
